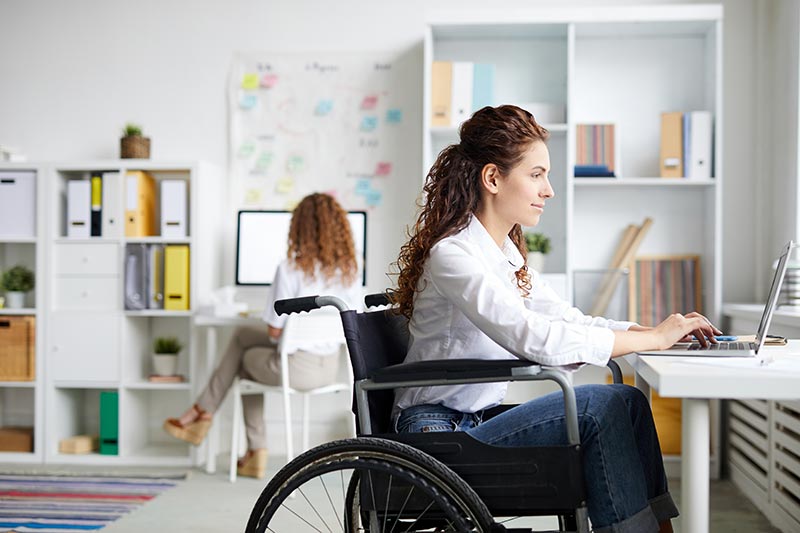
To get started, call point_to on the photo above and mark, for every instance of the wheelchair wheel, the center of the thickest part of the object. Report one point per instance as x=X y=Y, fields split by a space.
x=368 y=485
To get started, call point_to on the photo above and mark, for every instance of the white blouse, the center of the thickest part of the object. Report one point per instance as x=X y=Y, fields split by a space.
x=470 y=306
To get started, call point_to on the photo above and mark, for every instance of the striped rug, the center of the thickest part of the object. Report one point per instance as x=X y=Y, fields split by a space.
x=59 y=503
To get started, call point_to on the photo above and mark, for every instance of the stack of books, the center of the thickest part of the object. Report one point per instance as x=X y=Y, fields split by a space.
x=595 y=154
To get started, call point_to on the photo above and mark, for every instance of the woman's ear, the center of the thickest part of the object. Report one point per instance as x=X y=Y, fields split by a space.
x=489 y=176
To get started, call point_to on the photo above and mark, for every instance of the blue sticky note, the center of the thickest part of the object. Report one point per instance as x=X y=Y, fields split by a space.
x=248 y=101
x=394 y=116
x=374 y=198
x=369 y=123
x=323 y=108
x=363 y=186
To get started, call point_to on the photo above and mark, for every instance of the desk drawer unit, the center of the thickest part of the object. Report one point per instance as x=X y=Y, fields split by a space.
x=86 y=293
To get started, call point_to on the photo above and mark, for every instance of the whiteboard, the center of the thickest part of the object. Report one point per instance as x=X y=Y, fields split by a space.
x=313 y=122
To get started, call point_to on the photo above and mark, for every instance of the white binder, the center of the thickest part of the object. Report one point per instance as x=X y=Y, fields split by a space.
x=173 y=209
x=462 y=92
x=136 y=277
x=79 y=199
x=700 y=143
x=112 y=203
x=17 y=204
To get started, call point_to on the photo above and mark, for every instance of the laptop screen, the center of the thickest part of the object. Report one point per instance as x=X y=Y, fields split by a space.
x=772 y=298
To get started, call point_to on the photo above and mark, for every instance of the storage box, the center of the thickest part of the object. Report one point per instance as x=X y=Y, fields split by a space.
x=78 y=444
x=17 y=348
x=16 y=439
x=17 y=203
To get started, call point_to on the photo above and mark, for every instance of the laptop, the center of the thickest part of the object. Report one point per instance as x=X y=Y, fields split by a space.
x=738 y=349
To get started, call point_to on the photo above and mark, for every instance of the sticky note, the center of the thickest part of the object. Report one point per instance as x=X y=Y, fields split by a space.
x=252 y=196
x=369 y=123
x=332 y=192
x=268 y=81
x=374 y=198
x=284 y=185
x=363 y=186
x=323 y=108
x=246 y=149
x=394 y=116
x=369 y=102
x=290 y=204
x=248 y=101
x=383 y=168
x=263 y=161
x=295 y=164
x=250 y=81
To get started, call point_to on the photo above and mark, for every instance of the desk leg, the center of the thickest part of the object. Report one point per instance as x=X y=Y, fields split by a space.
x=694 y=466
x=213 y=434
x=642 y=385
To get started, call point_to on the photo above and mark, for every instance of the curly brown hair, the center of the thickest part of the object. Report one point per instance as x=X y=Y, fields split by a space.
x=452 y=191
x=321 y=241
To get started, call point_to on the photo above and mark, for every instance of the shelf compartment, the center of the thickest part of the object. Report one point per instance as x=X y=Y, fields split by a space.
x=642 y=182
x=143 y=412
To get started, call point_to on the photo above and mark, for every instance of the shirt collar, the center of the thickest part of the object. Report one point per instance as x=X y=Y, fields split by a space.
x=506 y=255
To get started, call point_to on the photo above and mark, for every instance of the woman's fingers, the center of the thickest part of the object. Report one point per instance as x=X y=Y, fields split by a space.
x=713 y=328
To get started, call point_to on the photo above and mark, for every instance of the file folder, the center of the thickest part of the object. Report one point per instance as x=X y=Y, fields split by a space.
x=112 y=221
x=482 y=86
x=441 y=82
x=461 y=99
x=136 y=277
x=176 y=277
x=140 y=192
x=17 y=204
x=96 y=220
x=700 y=144
x=671 y=161
x=79 y=196
x=173 y=209
x=155 y=276
x=109 y=423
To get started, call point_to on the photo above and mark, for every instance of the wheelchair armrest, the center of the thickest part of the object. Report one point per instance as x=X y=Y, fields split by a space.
x=616 y=372
x=449 y=369
x=308 y=303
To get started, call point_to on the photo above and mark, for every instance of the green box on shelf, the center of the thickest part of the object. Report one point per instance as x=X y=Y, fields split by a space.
x=109 y=423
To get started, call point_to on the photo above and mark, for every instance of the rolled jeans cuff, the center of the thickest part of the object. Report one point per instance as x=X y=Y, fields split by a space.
x=641 y=522
x=664 y=507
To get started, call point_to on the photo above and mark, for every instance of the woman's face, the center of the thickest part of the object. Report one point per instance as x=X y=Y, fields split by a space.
x=522 y=193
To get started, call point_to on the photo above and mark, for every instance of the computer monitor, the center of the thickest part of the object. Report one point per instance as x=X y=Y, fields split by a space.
x=261 y=244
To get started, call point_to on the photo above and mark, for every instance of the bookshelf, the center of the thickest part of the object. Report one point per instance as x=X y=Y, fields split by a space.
x=95 y=344
x=603 y=64
x=22 y=402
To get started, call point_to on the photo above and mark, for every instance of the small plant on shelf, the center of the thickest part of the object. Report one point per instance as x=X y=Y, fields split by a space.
x=165 y=355
x=167 y=345
x=538 y=246
x=134 y=145
x=16 y=281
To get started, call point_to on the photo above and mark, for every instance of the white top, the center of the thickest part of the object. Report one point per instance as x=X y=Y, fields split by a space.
x=290 y=282
x=470 y=306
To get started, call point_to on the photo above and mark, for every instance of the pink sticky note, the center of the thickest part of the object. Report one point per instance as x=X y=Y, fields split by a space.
x=369 y=102
x=383 y=168
x=268 y=81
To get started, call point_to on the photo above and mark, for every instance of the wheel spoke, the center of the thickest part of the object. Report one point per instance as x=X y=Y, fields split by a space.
x=403 y=508
x=322 y=480
x=301 y=518
x=313 y=508
x=386 y=509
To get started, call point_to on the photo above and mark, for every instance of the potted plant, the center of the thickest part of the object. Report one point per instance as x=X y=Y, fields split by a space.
x=538 y=246
x=165 y=355
x=16 y=282
x=133 y=145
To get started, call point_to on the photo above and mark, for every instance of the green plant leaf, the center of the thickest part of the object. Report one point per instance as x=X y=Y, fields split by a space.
x=18 y=278
x=167 y=345
x=537 y=242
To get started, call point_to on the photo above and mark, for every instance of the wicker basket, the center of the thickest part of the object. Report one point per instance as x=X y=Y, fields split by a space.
x=17 y=348
x=134 y=147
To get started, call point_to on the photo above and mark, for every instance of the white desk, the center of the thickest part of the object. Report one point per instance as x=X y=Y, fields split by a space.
x=699 y=380
x=211 y=324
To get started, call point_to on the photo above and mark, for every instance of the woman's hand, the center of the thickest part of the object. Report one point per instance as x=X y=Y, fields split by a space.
x=688 y=338
x=677 y=327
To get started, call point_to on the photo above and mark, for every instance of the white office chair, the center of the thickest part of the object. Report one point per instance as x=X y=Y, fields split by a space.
x=318 y=326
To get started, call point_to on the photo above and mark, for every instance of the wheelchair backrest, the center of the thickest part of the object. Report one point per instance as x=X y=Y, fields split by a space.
x=375 y=340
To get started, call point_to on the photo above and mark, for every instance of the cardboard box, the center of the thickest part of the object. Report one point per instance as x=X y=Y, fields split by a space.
x=16 y=439
x=78 y=444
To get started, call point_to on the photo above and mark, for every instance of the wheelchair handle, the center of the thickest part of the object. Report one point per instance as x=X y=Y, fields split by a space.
x=374 y=300
x=308 y=303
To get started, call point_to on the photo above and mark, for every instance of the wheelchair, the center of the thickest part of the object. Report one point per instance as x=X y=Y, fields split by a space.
x=382 y=481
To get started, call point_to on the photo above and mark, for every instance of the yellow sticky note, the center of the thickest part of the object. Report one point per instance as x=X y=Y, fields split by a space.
x=250 y=81
x=284 y=185
x=252 y=197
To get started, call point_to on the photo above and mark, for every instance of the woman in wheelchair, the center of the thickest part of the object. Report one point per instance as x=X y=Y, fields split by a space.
x=320 y=260
x=467 y=292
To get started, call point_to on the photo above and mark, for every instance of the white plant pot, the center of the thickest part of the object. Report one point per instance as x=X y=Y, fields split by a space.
x=165 y=364
x=15 y=300
x=536 y=261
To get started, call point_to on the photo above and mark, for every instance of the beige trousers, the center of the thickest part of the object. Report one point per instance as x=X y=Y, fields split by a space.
x=252 y=355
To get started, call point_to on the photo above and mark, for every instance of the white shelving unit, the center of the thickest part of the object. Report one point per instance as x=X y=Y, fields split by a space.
x=95 y=345
x=610 y=64
x=22 y=402
x=624 y=65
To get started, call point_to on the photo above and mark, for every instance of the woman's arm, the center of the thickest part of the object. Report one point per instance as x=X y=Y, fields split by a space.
x=670 y=331
x=274 y=333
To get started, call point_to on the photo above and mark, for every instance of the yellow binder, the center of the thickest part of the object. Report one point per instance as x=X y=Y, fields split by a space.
x=176 y=277
x=672 y=145
x=441 y=89
x=140 y=204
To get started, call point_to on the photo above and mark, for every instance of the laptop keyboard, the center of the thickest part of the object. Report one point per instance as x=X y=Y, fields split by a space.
x=723 y=346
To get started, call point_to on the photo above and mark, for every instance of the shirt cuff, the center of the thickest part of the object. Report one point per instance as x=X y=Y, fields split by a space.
x=620 y=325
x=602 y=343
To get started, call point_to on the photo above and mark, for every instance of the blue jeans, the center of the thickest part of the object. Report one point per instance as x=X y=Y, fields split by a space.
x=625 y=479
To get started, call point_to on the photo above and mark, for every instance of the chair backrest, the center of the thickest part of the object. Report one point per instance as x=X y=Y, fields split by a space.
x=321 y=326
x=375 y=340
